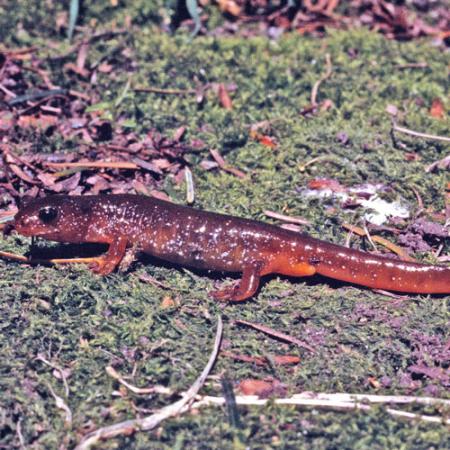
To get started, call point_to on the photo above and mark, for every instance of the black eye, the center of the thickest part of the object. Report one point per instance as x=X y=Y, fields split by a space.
x=48 y=214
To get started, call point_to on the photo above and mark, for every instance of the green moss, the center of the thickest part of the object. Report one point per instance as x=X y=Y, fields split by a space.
x=84 y=323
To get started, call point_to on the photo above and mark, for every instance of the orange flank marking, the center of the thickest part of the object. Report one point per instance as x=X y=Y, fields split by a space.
x=301 y=269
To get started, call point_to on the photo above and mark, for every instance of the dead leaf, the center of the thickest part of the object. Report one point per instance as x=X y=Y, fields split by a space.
x=160 y=195
x=437 y=109
x=224 y=97
x=105 y=68
x=392 y=110
x=320 y=184
x=284 y=360
x=256 y=387
x=179 y=133
x=168 y=302
x=374 y=382
x=229 y=7
x=263 y=139
x=6 y=120
x=43 y=121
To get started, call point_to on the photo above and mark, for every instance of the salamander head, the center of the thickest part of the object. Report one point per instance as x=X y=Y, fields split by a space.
x=57 y=218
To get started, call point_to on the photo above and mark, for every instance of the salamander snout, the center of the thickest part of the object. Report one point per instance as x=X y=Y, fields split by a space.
x=37 y=221
x=58 y=218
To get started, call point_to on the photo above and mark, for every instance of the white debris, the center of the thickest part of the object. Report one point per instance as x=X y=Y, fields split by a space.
x=379 y=210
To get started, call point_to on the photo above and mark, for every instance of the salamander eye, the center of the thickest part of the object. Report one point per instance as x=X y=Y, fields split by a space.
x=48 y=214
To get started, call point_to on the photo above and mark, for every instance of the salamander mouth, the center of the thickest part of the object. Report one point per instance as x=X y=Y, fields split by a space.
x=32 y=232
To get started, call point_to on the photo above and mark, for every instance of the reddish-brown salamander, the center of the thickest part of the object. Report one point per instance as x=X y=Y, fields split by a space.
x=207 y=240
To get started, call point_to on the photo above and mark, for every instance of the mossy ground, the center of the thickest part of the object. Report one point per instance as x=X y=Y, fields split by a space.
x=83 y=323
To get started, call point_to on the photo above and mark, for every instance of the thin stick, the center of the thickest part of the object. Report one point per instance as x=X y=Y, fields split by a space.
x=154 y=90
x=380 y=240
x=441 y=164
x=136 y=390
x=61 y=404
x=190 y=189
x=417 y=65
x=94 y=164
x=369 y=238
x=276 y=334
x=327 y=75
x=371 y=398
x=149 y=422
x=347 y=402
x=19 y=434
x=24 y=259
x=54 y=366
x=421 y=135
x=224 y=166
x=284 y=218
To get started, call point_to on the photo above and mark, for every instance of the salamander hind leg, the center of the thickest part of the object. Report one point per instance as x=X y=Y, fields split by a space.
x=244 y=289
x=106 y=264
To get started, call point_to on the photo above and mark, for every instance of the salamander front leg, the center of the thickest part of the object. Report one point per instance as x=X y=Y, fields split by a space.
x=105 y=264
x=246 y=287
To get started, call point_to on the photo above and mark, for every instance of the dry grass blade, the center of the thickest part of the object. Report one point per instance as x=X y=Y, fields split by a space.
x=224 y=166
x=276 y=334
x=94 y=164
x=421 y=135
x=284 y=218
x=340 y=402
x=136 y=390
x=378 y=239
x=329 y=71
x=153 y=90
x=61 y=404
x=20 y=258
x=148 y=423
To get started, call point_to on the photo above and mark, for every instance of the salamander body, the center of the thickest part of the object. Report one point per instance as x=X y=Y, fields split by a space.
x=218 y=242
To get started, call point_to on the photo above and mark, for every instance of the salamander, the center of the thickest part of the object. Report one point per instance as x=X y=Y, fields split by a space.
x=218 y=242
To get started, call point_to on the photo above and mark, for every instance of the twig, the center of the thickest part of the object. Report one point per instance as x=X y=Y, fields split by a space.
x=380 y=240
x=400 y=298
x=19 y=434
x=136 y=390
x=345 y=402
x=276 y=334
x=94 y=164
x=165 y=91
x=149 y=422
x=224 y=166
x=419 y=200
x=284 y=218
x=369 y=238
x=397 y=399
x=60 y=404
x=441 y=164
x=302 y=167
x=37 y=96
x=190 y=189
x=54 y=366
x=79 y=94
x=413 y=416
x=421 y=135
x=146 y=278
x=7 y=91
x=327 y=75
x=418 y=65
x=20 y=258
x=281 y=360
